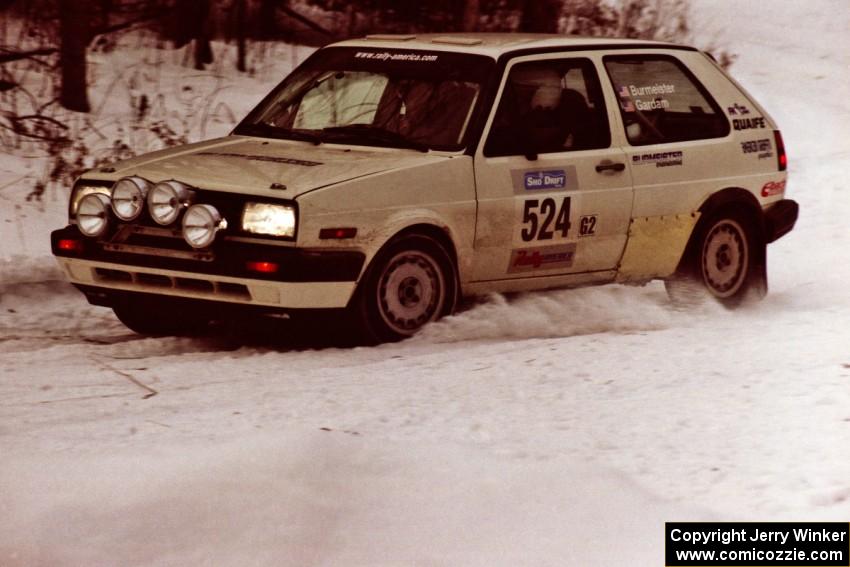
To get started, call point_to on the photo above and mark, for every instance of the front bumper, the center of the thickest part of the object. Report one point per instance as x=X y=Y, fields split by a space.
x=780 y=218
x=303 y=280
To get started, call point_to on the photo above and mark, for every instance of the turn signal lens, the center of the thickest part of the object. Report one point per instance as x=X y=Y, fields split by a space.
x=262 y=267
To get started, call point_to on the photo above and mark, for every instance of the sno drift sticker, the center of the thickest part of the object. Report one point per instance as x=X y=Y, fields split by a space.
x=660 y=159
x=561 y=179
x=542 y=258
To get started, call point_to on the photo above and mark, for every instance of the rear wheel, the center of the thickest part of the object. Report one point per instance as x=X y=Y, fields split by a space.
x=410 y=284
x=726 y=262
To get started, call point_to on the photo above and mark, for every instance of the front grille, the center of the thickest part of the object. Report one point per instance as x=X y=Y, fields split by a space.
x=212 y=288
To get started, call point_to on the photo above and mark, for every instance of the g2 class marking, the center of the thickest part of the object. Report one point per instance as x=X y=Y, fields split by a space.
x=539 y=226
x=587 y=225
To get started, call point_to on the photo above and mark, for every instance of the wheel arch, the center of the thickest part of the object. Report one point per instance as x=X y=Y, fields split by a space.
x=732 y=199
x=439 y=233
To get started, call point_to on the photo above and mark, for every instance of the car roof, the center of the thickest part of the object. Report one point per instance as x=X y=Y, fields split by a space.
x=495 y=44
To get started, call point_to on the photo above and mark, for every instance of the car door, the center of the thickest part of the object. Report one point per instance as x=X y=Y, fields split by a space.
x=554 y=194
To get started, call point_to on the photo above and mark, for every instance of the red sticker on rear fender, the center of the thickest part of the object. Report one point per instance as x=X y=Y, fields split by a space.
x=772 y=188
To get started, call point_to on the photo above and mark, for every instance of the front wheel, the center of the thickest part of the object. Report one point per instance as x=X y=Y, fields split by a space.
x=726 y=263
x=410 y=284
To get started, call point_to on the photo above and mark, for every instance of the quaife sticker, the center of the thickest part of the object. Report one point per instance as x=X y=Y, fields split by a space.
x=554 y=179
x=749 y=123
x=542 y=258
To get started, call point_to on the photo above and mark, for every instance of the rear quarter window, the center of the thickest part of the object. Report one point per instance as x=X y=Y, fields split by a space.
x=661 y=101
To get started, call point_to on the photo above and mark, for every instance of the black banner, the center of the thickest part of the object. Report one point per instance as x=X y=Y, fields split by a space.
x=757 y=544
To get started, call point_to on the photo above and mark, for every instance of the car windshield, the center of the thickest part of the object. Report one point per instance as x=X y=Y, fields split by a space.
x=380 y=97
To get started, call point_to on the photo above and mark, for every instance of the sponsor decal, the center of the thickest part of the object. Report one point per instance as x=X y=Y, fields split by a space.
x=623 y=92
x=749 y=123
x=772 y=188
x=763 y=147
x=738 y=110
x=551 y=179
x=274 y=159
x=587 y=225
x=660 y=159
x=556 y=179
x=386 y=56
x=542 y=258
x=628 y=106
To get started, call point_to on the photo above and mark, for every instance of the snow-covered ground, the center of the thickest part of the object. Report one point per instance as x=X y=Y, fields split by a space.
x=559 y=428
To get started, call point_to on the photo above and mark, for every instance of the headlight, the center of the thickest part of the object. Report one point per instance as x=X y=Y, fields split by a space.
x=265 y=218
x=200 y=223
x=128 y=197
x=81 y=190
x=93 y=214
x=166 y=199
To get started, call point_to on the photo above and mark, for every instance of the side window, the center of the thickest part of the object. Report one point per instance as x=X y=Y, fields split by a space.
x=661 y=101
x=549 y=106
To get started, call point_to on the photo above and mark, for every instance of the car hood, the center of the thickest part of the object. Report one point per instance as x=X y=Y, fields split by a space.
x=259 y=166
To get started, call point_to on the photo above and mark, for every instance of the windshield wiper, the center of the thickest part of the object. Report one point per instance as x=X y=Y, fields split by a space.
x=370 y=133
x=269 y=131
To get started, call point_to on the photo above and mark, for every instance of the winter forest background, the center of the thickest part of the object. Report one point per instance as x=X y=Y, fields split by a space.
x=59 y=101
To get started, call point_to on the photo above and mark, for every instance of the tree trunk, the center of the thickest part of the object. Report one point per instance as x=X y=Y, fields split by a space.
x=73 y=36
x=471 y=11
x=240 y=35
x=540 y=16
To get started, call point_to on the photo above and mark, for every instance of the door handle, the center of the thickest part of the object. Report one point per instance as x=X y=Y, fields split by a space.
x=610 y=166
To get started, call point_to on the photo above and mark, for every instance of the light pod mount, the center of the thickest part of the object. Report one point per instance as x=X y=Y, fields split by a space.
x=128 y=197
x=200 y=225
x=166 y=199
x=93 y=214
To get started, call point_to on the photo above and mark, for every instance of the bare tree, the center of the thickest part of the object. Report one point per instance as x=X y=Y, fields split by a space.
x=471 y=12
x=540 y=16
x=74 y=37
x=240 y=23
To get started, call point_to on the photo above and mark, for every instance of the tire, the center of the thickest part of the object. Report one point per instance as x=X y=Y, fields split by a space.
x=411 y=282
x=725 y=261
x=160 y=318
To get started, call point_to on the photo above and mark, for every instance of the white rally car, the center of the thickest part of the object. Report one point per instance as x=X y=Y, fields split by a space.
x=388 y=177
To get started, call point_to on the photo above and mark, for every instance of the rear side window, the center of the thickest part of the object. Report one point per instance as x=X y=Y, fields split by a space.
x=661 y=101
